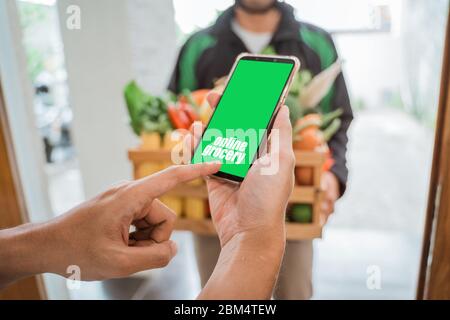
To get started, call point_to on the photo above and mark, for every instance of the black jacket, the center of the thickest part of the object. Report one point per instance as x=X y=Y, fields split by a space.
x=210 y=53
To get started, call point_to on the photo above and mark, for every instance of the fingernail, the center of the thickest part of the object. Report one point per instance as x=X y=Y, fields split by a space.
x=212 y=163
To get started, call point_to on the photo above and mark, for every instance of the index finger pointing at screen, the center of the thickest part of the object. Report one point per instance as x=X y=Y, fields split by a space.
x=163 y=181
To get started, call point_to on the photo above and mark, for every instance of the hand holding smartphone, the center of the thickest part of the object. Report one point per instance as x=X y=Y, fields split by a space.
x=256 y=89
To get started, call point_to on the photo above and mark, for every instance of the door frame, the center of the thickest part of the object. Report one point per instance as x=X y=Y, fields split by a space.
x=12 y=200
x=434 y=275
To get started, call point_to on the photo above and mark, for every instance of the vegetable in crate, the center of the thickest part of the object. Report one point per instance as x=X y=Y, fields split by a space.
x=307 y=91
x=293 y=99
x=181 y=115
x=191 y=107
x=148 y=113
x=312 y=133
x=301 y=213
x=319 y=86
x=197 y=99
x=312 y=130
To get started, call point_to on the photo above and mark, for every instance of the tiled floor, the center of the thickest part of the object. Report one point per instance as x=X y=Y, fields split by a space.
x=341 y=265
x=378 y=223
x=345 y=259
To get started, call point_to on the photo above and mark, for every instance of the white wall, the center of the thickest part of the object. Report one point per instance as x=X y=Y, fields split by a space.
x=372 y=65
x=98 y=65
x=18 y=96
x=153 y=42
x=27 y=143
x=373 y=61
x=118 y=41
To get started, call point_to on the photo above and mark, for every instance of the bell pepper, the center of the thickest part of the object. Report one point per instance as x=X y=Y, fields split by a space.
x=189 y=111
x=178 y=118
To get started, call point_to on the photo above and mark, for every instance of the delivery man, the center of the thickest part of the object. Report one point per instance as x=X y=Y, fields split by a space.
x=208 y=55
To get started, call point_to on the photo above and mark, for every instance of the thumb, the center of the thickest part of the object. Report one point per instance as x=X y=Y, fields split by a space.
x=213 y=98
x=281 y=135
x=282 y=124
x=148 y=254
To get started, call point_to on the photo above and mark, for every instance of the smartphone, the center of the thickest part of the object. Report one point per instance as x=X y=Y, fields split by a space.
x=256 y=88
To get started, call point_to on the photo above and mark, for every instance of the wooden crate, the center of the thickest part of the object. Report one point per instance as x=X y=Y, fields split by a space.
x=301 y=194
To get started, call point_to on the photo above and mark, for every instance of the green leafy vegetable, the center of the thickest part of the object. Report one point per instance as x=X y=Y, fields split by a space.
x=147 y=113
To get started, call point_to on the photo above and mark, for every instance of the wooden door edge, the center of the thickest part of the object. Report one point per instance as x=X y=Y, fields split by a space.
x=436 y=172
x=38 y=283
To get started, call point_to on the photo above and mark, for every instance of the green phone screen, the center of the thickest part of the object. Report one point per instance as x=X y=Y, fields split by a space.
x=243 y=114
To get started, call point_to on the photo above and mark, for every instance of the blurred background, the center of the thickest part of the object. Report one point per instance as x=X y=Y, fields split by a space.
x=71 y=129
